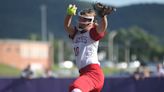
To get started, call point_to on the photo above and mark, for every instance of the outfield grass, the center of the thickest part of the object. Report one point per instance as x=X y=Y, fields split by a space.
x=8 y=71
x=109 y=71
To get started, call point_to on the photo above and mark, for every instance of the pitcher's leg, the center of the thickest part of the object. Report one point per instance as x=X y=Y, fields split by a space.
x=84 y=83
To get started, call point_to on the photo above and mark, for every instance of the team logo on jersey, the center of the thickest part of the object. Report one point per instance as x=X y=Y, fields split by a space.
x=81 y=39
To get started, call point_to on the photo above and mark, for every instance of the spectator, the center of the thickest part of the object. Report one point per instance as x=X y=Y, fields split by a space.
x=146 y=72
x=138 y=74
x=27 y=72
x=48 y=73
x=160 y=70
x=141 y=73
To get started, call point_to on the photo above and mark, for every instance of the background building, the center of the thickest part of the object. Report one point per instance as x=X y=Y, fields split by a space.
x=21 y=53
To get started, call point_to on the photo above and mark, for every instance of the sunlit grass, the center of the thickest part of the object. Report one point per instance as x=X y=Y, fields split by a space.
x=109 y=71
x=8 y=71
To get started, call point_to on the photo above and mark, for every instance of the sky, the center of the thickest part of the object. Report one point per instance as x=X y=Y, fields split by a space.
x=120 y=3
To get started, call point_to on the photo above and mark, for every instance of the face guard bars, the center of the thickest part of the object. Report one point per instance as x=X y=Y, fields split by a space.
x=85 y=19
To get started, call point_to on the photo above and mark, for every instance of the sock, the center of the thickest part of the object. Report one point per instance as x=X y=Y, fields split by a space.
x=76 y=90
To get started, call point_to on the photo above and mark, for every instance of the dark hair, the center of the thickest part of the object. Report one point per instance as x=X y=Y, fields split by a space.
x=86 y=11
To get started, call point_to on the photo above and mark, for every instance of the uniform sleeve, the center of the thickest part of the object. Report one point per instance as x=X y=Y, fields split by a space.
x=95 y=35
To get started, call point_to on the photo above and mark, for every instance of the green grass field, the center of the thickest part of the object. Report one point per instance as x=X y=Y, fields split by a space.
x=8 y=71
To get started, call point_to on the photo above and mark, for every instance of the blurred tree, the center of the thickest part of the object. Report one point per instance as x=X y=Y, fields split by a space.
x=55 y=51
x=62 y=51
x=34 y=37
x=142 y=44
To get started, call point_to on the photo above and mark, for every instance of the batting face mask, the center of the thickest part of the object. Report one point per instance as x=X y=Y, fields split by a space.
x=82 y=19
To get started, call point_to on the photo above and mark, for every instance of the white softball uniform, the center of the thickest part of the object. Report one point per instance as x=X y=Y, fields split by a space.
x=85 y=47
